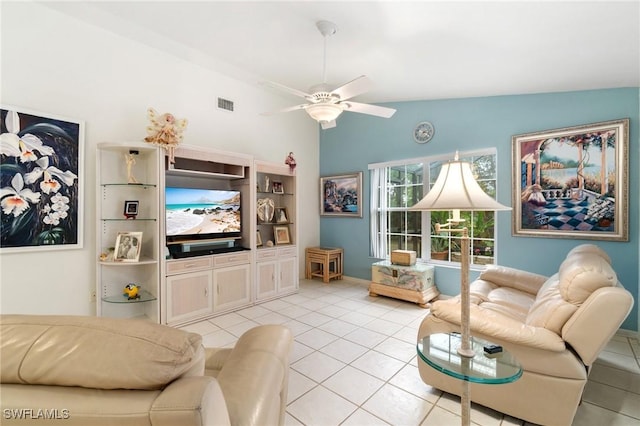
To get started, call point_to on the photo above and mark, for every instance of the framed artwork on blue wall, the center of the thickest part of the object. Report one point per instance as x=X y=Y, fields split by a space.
x=572 y=182
x=341 y=195
x=41 y=181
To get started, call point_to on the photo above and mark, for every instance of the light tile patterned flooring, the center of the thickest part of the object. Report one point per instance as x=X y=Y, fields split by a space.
x=354 y=363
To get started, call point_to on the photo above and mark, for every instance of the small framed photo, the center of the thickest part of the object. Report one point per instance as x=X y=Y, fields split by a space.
x=128 y=247
x=281 y=215
x=258 y=239
x=277 y=187
x=131 y=209
x=281 y=234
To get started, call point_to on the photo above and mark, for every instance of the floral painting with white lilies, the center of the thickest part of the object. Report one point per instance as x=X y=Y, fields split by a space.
x=40 y=167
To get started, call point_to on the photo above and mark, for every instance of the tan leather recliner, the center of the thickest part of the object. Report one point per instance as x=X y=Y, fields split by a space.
x=555 y=326
x=77 y=370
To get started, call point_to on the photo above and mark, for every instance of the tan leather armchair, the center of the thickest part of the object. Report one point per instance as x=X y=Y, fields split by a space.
x=555 y=326
x=92 y=371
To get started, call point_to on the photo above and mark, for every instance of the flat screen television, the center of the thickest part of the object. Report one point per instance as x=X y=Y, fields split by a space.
x=202 y=214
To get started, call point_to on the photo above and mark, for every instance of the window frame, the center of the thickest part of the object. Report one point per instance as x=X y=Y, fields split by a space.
x=429 y=166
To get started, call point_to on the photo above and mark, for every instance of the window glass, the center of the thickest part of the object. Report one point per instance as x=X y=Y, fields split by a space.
x=401 y=229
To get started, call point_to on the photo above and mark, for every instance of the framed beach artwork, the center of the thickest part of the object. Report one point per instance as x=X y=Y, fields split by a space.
x=572 y=182
x=341 y=195
x=41 y=181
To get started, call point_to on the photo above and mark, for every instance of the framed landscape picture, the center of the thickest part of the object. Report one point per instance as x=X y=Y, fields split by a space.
x=341 y=195
x=41 y=178
x=572 y=182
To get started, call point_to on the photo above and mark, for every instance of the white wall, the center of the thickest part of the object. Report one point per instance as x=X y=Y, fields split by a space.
x=56 y=64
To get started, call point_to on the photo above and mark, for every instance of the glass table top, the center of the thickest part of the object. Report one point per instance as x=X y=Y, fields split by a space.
x=440 y=352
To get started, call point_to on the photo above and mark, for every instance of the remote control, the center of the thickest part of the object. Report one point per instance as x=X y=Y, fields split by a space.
x=493 y=349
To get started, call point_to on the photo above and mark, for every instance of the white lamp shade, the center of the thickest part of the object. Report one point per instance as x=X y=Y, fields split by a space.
x=456 y=188
x=324 y=112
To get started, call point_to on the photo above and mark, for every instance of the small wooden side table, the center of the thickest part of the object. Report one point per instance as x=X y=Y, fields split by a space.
x=324 y=262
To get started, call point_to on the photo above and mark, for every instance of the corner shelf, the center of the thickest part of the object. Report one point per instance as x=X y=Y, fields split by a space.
x=145 y=296
x=114 y=191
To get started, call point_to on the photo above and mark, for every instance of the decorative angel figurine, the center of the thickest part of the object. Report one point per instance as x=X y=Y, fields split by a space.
x=291 y=162
x=165 y=131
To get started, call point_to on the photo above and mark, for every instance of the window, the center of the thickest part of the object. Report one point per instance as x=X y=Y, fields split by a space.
x=397 y=186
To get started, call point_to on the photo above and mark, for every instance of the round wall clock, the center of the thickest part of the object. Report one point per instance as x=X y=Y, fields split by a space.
x=423 y=132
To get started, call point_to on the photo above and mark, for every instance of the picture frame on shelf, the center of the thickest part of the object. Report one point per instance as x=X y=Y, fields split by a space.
x=281 y=215
x=44 y=159
x=277 y=187
x=131 y=209
x=281 y=235
x=341 y=195
x=258 y=239
x=128 y=247
x=572 y=182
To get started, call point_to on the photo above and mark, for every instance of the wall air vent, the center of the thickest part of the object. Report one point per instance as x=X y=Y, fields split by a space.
x=225 y=104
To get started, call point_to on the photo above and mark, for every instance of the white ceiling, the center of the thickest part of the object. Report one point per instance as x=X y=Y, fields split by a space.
x=411 y=50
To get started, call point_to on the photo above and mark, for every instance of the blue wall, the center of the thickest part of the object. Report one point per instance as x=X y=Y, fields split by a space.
x=472 y=123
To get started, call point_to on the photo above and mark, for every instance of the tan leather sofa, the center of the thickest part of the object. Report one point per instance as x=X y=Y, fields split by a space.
x=555 y=326
x=89 y=371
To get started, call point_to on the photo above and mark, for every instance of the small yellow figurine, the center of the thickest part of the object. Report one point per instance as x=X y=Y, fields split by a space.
x=131 y=290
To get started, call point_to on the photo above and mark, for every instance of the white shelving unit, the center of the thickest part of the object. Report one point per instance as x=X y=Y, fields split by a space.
x=277 y=264
x=180 y=290
x=114 y=190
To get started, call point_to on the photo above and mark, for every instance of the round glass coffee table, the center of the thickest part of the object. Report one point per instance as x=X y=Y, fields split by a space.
x=439 y=351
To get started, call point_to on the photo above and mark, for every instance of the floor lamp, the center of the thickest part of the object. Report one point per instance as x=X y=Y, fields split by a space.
x=456 y=189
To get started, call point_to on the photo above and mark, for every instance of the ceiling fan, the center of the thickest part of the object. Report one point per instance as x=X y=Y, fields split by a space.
x=325 y=105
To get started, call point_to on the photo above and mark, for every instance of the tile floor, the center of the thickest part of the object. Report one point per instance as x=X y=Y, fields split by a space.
x=354 y=363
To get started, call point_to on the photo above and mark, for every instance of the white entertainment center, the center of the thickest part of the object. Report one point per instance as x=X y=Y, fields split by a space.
x=192 y=278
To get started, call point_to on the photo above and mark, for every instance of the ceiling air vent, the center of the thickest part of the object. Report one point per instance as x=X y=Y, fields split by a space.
x=225 y=104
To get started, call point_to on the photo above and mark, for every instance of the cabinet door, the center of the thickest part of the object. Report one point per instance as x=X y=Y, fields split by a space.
x=288 y=275
x=266 y=279
x=189 y=296
x=231 y=286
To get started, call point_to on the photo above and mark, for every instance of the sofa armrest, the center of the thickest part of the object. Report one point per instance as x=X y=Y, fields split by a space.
x=504 y=276
x=255 y=376
x=214 y=360
x=193 y=400
x=491 y=323
x=589 y=330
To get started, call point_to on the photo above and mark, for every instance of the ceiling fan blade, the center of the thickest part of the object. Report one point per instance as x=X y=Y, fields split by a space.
x=293 y=108
x=328 y=124
x=369 y=109
x=353 y=88
x=287 y=89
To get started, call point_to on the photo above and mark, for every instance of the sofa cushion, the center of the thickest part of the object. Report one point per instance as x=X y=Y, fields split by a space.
x=583 y=273
x=102 y=353
x=550 y=310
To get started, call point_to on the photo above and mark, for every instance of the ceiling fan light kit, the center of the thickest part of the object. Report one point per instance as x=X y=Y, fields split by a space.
x=325 y=105
x=324 y=113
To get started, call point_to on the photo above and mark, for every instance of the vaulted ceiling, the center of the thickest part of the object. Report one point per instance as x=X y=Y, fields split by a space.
x=410 y=49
